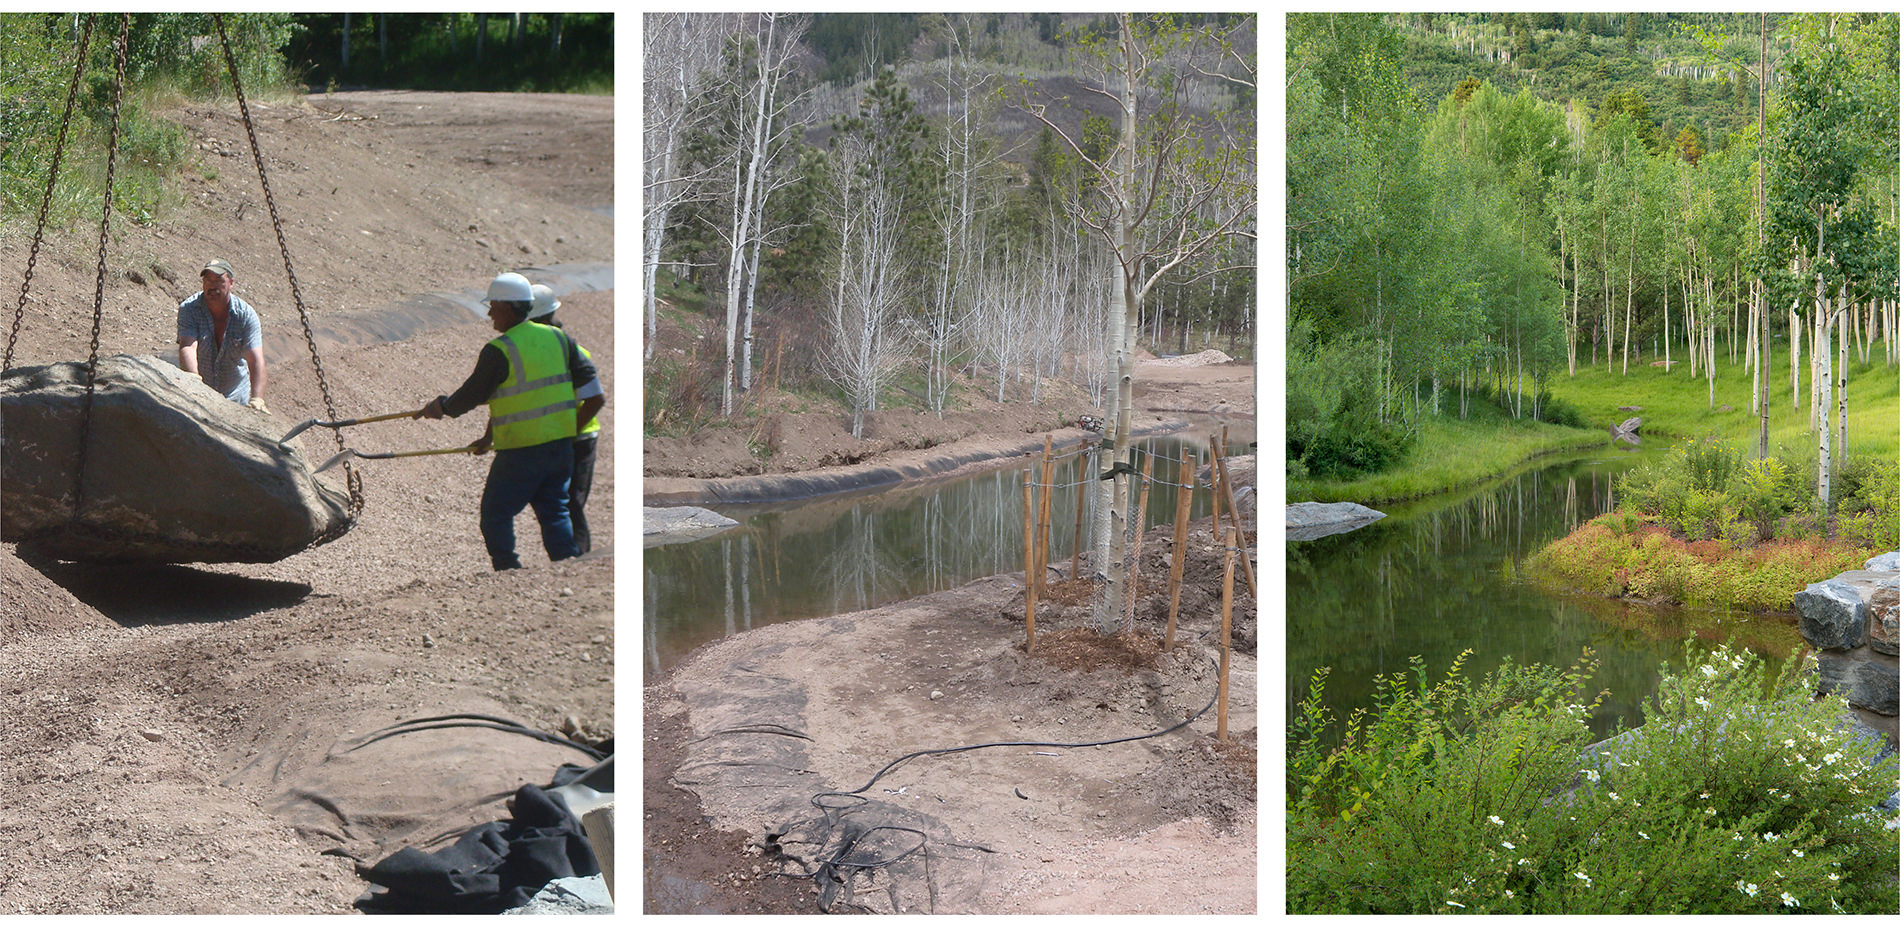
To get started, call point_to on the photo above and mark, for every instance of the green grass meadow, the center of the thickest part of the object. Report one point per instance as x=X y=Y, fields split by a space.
x=1451 y=453
x=1675 y=406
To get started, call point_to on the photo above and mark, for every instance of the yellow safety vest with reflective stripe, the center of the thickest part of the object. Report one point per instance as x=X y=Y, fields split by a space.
x=535 y=404
x=593 y=425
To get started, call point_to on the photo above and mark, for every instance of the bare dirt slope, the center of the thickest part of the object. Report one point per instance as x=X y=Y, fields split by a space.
x=176 y=739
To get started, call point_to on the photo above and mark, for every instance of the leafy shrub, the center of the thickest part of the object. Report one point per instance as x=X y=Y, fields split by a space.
x=1869 y=499
x=1741 y=794
x=1763 y=491
x=1332 y=429
x=1710 y=463
x=1558 y=412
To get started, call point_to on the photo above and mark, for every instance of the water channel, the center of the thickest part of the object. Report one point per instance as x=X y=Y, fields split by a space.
x=845 y=553
x=1440 y=576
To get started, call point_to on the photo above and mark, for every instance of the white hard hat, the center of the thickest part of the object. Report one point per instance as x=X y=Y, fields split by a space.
x=511 y=287
x=544 y=302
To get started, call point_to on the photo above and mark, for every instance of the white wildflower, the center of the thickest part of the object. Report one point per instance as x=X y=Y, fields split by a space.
x=1497 y=820
x=1788 y=900
x=1586 y=879
x=1454 y=904
x=1751 y=888
x=1702 y=702
x=1509 y=845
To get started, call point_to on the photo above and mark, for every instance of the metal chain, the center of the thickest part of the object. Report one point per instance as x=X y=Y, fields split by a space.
x=46 y=202
x=352 y=478
x=99 y=279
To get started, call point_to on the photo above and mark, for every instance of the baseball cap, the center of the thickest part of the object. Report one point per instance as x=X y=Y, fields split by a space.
x=218 y=265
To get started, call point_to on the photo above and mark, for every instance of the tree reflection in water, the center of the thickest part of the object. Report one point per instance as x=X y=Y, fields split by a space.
x=828 y=556
x=1436 y=577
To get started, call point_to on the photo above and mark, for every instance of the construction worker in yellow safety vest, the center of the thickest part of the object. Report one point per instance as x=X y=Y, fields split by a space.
x=581 y=483
x=527 y=378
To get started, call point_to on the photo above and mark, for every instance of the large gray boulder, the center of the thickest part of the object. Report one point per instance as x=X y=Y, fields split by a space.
x=1833 y=615
x=678 y=524
x=174 y=472
x=1306 y=521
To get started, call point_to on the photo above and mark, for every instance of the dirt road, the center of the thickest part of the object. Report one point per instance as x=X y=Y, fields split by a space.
x=176 y=739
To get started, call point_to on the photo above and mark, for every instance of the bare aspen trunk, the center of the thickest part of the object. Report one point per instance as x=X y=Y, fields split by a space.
x=1121 y=335
x=1795 y=333
x=1840 y=386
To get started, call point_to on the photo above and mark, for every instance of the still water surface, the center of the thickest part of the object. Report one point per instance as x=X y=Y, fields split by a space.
x=1437 y=577
x=840 y=554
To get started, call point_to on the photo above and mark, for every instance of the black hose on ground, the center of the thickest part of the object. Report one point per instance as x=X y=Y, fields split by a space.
x=438 y=722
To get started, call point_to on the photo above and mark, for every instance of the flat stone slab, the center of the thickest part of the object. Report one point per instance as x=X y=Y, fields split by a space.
x=173 y=471
x=1308 y=520
x=677 y=524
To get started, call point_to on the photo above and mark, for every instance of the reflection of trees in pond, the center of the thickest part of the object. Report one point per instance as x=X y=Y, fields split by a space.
x=821 y=557
x=1437 y=577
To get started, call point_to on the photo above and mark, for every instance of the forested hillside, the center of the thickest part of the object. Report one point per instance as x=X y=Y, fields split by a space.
x=910 y=199
x=1480 y=205
x=1692 y=70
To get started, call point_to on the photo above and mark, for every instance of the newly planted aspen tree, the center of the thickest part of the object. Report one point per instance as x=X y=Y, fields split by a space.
x=1166 y=164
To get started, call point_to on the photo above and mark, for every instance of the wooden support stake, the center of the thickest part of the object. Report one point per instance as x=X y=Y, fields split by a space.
x=1183 y=504
x=1233 y=515
x=1029 y=561
x=1042 y=521
x=1226 y=635
x=1134 y=564
x=1213 y=484
x=1081 y=497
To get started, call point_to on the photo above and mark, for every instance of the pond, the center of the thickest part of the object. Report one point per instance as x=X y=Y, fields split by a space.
x=840 y=554
x=1439 y=576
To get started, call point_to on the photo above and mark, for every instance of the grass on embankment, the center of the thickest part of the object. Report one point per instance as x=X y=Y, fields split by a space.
x=1674 y=405
x=1451 y=453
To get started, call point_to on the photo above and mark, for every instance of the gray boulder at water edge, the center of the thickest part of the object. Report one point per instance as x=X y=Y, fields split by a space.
x=676 y=524
x=174 y=472
x=1308 y=520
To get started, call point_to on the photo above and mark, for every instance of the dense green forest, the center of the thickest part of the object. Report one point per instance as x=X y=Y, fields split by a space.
x=909 y=196
x=1479 y=205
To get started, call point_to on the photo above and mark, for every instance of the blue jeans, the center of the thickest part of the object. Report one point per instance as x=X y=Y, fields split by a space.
x=528 y=476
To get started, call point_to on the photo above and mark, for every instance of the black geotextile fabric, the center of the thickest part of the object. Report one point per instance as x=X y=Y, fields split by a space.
x=491 y=868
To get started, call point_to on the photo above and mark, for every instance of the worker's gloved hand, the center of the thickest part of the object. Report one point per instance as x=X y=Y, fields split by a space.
x=257 y=402
x=482 y=444
x=432 y=410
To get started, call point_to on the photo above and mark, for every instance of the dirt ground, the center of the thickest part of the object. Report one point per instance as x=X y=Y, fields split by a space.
x=1074 y=832
x=177 y=739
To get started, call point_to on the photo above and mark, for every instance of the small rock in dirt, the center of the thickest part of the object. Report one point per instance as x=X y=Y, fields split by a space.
x=155 y=736
x=566 y=592
x=428 y=641
x=936 y=694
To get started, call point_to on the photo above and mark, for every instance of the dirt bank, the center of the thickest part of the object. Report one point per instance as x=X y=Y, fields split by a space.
x=794 y=451
x=743 y=736
x=177 y=739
